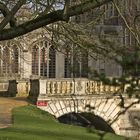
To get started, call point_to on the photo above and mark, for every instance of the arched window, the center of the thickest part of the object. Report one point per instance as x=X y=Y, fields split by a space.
x=68 y=65
x=43 y=59
x=9 y=60
x=6 y=60
x=52 y=57
x=14 y=60
x=35 y=52
x=76 y=63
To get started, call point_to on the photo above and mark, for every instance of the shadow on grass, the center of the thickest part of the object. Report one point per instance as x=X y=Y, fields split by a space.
x=51 y=133
x=103 y=135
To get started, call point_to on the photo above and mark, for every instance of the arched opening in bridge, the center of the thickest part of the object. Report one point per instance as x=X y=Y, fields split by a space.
x=86 y=120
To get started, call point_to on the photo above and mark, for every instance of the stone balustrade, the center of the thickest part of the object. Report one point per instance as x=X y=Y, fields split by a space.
x=70 y=86
x=8 y=88
x=77 y=86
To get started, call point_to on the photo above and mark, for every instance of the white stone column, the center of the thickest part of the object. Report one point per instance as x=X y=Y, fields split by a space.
x=26 y=68
x=42 y=86
x=60 y=65
x=1 y=60
x=48 y=59
x=39 y=51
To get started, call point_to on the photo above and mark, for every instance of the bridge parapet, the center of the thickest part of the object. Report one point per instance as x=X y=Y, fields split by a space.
x=70 y=86
x=77 y=86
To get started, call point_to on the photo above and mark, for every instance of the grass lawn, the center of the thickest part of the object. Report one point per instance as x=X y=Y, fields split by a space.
x=30 y=123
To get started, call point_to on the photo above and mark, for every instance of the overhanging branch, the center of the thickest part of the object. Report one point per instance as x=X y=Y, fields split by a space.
x=29 y=26
x=49 y=18
x=11 y=13
x=5 y=11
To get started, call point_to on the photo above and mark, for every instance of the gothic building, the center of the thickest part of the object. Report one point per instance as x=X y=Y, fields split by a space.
x=34 y=56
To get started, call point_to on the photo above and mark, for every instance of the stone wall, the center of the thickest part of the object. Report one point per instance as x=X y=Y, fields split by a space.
x=23 y=88
x=14 y=88
x=8 y=88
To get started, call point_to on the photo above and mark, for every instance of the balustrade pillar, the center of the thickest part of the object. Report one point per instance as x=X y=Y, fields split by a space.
x=58 y=87
x=42 y=86
x=91 y=87
x=53 y=88
x=48 y=91
x=68 y=87
x=64 y=88
x=96 y=87
x=101 y=87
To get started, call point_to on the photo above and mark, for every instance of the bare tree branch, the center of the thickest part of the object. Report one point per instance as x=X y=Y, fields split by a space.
x=5 y=11
x=12 y=13
x=127 y=25
x=49 y=18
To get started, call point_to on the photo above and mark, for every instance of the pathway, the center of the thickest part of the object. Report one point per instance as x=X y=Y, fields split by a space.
x=6 y=105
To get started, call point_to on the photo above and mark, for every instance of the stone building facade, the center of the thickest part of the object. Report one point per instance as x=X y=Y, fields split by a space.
x=33 y=55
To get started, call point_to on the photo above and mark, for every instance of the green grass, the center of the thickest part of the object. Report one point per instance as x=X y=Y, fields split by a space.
x=30 y=123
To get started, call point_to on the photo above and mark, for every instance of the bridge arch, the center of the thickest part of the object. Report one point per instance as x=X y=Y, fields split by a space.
x=86 y=119
x=58 y=99
x=107 y=109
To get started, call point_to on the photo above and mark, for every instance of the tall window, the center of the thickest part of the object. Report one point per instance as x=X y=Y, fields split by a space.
x=14 y=59
x=76 y=65
x=43 y=60
x=9 y=60
x=6 y=60
x=52 y=62
x=35 y=52
x=67 y=65
x=84 y=64
x=111 y=15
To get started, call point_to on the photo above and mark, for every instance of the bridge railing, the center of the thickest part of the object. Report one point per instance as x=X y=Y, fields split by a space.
x=77 y=86
x=68 y=87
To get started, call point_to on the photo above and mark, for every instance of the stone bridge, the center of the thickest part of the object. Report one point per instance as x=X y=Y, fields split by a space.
x=63 y=96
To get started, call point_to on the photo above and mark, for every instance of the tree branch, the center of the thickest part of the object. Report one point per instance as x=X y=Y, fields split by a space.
x=66 y=8
x=11 y=14
x=29 y=26
x=85 y=7
x=127 y=25
x=49 y=18
x=5 y=11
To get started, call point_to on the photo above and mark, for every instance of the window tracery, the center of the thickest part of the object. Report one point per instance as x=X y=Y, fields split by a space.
x=43 y=59
x=9 y=59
